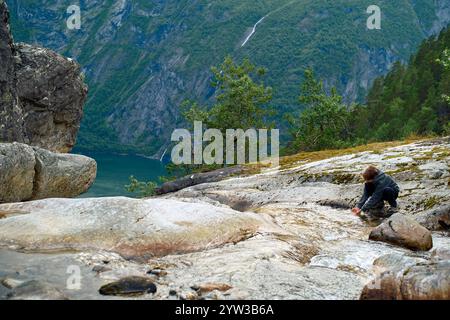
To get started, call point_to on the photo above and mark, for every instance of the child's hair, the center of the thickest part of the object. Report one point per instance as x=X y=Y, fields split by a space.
x=370 y=173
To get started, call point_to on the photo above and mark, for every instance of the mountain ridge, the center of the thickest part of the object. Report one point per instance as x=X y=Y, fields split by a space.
x=143 y=59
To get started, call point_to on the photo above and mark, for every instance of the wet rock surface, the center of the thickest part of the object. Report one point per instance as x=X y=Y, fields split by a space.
x=294 y=239
x=35 y=290
x=403 y=231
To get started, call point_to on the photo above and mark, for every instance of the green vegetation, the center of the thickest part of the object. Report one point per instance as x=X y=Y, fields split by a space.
x=143 y=189
x=327 y=123
x=172 y=43
x=430 y=203
x=241 y=101
x=324 y=124
x=411 y=99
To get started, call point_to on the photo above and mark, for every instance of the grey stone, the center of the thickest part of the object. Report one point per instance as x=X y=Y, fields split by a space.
x=129 y=286
x=52 y=94
x=62 y=175
x=133 y=228
x=11 y=114
x=11 y=283
x=17 y=163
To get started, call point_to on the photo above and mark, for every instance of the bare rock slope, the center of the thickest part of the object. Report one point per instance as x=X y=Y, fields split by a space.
x=290 y=235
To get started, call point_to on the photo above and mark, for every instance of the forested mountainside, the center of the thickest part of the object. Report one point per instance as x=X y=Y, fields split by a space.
x=413 y=98
x=143 y=58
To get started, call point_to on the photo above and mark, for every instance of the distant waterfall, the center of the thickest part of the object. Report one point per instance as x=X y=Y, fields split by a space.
x=162 y=157
x=260 y=20
x=253 y=31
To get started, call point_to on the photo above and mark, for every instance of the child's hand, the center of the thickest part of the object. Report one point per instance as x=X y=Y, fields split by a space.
x=356 y=211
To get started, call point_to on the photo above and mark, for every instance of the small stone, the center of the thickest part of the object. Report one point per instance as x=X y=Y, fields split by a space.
x=189 y=296
x=436 y=174
x=129 y=286
x=214 y=295
x=208 y=287
x=172 y=292
x=157 y=272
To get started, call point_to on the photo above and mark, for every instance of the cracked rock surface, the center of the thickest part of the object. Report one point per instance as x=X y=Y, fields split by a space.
x=30 y=173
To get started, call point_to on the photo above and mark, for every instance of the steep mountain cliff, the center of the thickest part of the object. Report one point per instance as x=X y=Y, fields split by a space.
x=41 y=94
x=11 y=123
x=142 y=58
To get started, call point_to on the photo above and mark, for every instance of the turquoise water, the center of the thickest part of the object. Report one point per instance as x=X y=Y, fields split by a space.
x=113 y=172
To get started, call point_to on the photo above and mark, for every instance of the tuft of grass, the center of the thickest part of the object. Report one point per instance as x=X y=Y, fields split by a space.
x=430 y=202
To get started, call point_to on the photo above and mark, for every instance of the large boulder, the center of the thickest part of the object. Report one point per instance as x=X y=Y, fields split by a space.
x=403 y=231
x=17 y=163
x=436 y=219
x=420 y=281
x=52 y=94
x=133 y=228
x=30 y=173
x=62 y=175
x=41 y=94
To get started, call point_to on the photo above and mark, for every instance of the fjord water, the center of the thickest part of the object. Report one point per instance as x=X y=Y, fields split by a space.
x=114 y=170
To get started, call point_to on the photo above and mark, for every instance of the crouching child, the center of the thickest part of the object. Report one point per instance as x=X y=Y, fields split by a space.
x=378 y=188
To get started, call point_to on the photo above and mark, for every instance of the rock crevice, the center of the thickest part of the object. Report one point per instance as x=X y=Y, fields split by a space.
x=31 y=173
